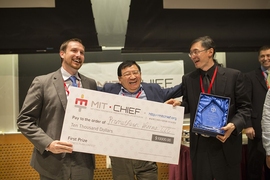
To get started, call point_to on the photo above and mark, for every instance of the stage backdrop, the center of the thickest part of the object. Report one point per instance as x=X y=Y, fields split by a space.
x=165 y=73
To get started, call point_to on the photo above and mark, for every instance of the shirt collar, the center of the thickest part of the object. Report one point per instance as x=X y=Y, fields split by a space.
x=210 y=71
x=66 y=75
x=125 y=91
x=263 y=69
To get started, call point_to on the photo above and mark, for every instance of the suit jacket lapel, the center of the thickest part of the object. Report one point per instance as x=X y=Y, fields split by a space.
x=219 y=88
x=196 y=83
x=148 y=92
x=115 y=89
x=222 y=79
x=85 y=83
x=261 y=78
x=58 y=83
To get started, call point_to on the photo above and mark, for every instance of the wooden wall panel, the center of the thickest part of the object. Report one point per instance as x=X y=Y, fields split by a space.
x=15 y=152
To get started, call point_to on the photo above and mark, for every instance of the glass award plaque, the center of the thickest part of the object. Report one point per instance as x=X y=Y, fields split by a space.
x=212 y=114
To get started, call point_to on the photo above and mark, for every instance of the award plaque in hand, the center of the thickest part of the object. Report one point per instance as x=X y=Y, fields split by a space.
x=212 y=114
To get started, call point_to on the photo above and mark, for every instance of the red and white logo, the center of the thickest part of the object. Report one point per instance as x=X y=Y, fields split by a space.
x=81 y=103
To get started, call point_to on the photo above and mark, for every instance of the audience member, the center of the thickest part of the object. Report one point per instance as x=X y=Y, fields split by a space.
x=258 y=85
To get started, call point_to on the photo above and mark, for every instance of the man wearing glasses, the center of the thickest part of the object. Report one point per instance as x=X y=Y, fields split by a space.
x=131 y=85
x=215 y=156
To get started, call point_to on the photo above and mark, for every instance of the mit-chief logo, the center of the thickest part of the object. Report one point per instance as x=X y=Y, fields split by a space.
x=81 y=103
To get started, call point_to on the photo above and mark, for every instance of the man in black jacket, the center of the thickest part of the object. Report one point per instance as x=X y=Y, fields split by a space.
x=258 y=86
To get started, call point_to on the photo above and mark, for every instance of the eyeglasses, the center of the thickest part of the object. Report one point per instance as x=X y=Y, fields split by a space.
x=196 y=52
x=129 y=73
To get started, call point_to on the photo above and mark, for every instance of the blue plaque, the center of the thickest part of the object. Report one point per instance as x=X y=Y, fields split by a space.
x=212 y=114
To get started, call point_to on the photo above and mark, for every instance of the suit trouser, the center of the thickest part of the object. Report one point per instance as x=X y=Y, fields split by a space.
x=128 y=169
x=210 y=163
x=76 y=166
x=256 y=160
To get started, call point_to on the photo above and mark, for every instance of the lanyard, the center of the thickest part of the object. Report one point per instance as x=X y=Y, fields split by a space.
x=265 y=78
x=139 y=93
x=211 y=84
x=66 y=87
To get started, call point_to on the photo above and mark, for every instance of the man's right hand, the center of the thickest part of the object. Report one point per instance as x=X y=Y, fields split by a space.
x=250 y=132
x=174 y=102
x=58 y=147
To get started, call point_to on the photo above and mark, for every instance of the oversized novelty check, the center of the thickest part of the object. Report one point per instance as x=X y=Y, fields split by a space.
x=102 y=123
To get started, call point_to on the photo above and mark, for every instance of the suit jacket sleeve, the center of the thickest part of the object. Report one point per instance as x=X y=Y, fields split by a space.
x=249 y=92
x=29 y=117
x=184 y=102
x=173 y=92
x=242 y=104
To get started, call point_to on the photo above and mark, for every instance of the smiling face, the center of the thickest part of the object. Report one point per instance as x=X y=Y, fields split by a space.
x=130 y=78
x=264 y=58
x=72 y=57
x=201 y=57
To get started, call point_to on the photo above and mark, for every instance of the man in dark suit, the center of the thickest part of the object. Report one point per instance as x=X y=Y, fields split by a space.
x=257 y=81
x=42 y=114
x=215 y=157
x=131 y=85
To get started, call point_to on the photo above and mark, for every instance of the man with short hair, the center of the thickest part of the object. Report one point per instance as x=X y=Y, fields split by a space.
x=42 y=115
x=258 y=85
x=215 y=157
x=131 y=85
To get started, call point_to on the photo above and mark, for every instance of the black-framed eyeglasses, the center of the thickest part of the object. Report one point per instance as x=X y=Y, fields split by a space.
x=196 y=52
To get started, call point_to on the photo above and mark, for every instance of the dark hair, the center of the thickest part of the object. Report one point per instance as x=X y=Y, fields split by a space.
x=263 y=48
x=206 y=42
x=125 y=64
x=64 y=45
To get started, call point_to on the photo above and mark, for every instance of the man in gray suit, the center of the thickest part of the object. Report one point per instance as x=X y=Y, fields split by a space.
x=42 y=114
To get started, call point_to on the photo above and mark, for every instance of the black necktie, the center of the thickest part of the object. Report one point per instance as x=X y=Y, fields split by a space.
x=206 y=82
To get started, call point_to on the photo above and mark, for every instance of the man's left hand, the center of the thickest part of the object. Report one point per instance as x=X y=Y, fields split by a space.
x=229 y=128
